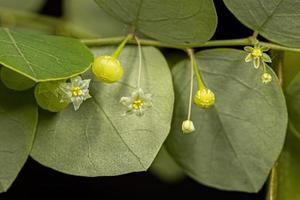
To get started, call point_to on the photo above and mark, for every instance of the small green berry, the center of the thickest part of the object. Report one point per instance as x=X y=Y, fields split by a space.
x=108 y=69
x=204 y=98
x=48 y=97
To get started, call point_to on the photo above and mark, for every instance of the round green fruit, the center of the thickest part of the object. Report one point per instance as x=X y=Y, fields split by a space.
x=107 y=69
x=48 y=97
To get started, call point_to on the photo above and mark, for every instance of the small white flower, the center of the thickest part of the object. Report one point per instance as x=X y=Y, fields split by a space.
x=256 y=55
x=137 y=103
x=76 y=91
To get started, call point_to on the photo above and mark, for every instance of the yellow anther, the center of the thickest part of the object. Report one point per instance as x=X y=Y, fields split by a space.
x=257 y=52
x=76 y=91
x=138 y=103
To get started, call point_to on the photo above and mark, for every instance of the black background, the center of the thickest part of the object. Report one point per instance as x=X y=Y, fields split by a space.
x=38 y=182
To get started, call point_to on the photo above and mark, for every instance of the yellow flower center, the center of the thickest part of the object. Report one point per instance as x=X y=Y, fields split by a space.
x=76 y=91
x=138 y=103
x=256 y=53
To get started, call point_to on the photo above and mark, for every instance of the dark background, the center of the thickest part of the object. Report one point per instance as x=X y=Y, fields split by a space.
x=38 y=182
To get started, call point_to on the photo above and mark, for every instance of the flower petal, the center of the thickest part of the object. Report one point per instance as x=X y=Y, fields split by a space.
x=134 y=94
x=248 y=49
x=87 y=96
x=139 y=112
x=248 y=58
x=77 y=101
x=75 y=82
x=126 y=101
x=140 y=92
x=256 y=63
x=85 y=84
x=264 y=48
x=66 y=86
x=266 y=58
x=148 y=97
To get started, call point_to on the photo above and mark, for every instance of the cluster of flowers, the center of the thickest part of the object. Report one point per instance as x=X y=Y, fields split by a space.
x=109 y=70
x=106 y=68
x=259 y=58
x=205 y=98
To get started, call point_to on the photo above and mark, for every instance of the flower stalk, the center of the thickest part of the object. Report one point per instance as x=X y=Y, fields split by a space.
x=139 y=101
x=117 y=52
x=187 y=125
x=200 y=82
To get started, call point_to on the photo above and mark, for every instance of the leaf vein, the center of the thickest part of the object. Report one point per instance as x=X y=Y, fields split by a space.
x=7 y=31
x=118 y=133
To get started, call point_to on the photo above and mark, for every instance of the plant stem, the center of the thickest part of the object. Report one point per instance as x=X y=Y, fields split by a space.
x=191 y=90
x=272 y=184
x=196 y=70
x=147 y=42
x=212 y=43
x=121 y=46
x=140 y=62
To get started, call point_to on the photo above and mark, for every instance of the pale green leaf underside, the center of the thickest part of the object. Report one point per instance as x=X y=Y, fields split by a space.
x=173 y=21
x=18 y=121
x=43 y=57
x=97 y=140
x=237 y=141
x=277 y=20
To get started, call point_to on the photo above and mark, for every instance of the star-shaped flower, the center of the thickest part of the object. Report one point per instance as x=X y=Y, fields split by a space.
x=137 y=103
x=256 y=55
x=76 y=91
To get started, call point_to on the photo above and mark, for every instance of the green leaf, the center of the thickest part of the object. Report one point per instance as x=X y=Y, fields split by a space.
x=173 y=21
x=14 y=80
x=98 y=140
x=18 y=121
x=275 y=20
x=237 y=141
x=43 y=57
x=92 y=18
x=165 y=168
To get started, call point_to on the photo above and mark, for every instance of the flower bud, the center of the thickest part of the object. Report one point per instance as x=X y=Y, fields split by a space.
x=188 y=126
x=266 y=78
x=107 y=68
x=204 y=98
